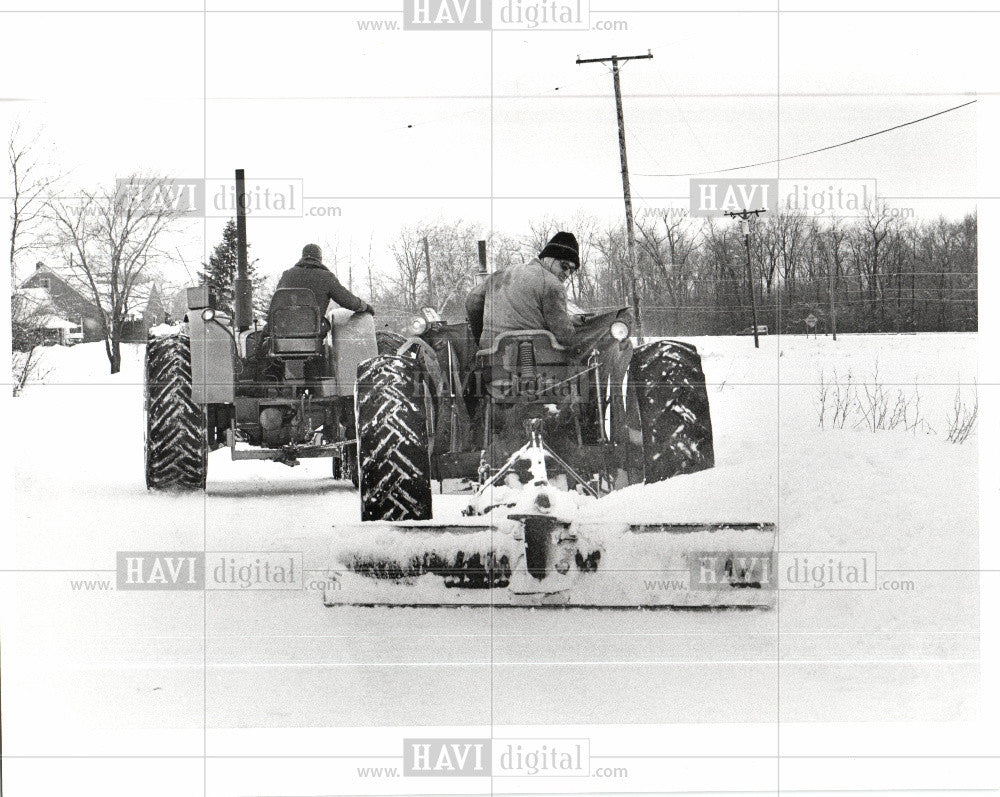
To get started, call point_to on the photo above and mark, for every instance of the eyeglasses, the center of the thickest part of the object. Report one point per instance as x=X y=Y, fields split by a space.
x=566 y=265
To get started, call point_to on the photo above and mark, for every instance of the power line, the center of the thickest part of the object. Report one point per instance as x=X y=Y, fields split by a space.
x=814 y=151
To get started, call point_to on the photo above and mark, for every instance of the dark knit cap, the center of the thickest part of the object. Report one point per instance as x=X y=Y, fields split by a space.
x=563 y=246
x=312 y=252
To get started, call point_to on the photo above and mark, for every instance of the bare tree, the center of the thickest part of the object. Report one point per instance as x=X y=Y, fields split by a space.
x=26 y=318
x=874 y=229
x=454 y=262
x=612 y=249
x=110 y=239
x=31 y=186
x=404 y=285
x=665 y=256
x=505 y=250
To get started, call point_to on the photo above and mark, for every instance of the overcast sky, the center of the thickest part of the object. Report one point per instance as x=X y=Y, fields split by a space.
x=398 y=127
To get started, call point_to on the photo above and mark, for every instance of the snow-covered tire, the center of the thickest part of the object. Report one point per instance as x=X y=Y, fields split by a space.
x=673 y=409
x=393 y=457
x=176 y=427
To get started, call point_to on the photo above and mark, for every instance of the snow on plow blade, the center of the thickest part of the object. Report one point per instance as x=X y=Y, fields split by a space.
x=539 y=562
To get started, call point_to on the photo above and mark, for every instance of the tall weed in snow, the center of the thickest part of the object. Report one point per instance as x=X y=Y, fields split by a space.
x=963 y=416
x=872 y=405
x=837 y=400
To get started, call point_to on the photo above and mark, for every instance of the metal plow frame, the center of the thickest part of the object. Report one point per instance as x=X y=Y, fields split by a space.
x=541 y=550
x=612 y=566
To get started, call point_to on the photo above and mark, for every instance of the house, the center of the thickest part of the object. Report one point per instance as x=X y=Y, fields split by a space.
x=70 y=308
x=64 y=302
x=38 y=320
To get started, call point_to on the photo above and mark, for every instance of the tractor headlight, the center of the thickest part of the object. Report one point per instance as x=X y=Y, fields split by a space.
x=207 y=314
x=619 y=330
x=418 y=326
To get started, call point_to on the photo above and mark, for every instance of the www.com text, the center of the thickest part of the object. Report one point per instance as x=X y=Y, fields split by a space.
x=384 y=25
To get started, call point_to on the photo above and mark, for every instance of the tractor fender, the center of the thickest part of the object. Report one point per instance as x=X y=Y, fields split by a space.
x=352 y=341
x=213 y=372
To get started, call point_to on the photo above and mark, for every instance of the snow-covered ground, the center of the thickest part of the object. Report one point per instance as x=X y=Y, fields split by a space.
x=176 y=660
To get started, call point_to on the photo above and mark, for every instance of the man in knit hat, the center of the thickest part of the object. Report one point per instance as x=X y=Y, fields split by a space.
x=527 y=295
x=310 y=273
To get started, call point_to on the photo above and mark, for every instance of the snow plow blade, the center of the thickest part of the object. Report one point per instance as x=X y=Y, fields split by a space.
x=538 y=561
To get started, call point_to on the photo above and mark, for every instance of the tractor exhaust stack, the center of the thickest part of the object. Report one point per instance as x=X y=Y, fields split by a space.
x=483 y=273
x=242 y=289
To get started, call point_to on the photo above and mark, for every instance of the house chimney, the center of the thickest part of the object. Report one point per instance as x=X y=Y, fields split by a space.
x=39 y=265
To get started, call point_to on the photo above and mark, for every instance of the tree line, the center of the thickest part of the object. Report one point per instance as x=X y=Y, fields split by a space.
x=883 y=272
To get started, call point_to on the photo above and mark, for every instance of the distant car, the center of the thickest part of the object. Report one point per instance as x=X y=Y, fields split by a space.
x=761 y=330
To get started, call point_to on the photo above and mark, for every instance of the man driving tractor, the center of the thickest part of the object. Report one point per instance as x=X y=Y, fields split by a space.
x=528 y=295
x=310 y=273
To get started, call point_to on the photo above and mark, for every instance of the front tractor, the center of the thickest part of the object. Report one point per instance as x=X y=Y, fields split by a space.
x=282 y=393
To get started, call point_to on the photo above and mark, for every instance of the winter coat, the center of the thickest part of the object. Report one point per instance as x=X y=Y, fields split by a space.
x=522 y=296
x=323 y=283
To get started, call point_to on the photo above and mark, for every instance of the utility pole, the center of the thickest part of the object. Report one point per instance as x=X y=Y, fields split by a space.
x=629 y=228
x=833 y=309
x=744 y=216
x=430 y=280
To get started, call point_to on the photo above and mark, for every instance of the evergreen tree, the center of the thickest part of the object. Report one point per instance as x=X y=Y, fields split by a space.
x=220 y=271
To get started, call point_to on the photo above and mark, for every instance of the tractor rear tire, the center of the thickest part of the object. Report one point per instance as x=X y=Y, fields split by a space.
x=393 y=456
x=670 y=390
x=176 y=427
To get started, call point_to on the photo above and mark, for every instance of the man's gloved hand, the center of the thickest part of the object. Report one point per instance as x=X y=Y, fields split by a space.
x=368 y=309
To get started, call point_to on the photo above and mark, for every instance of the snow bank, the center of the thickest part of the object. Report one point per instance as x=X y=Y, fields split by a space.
x=85 y=364
x=905 y=496
x=162 y=330
x=744 y=493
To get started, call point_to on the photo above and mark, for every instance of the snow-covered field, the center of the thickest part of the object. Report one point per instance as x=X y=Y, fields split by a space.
x=93 y=658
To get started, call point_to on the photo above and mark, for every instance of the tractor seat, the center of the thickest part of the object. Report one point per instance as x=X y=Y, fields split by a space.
x=514 y=350
x=295 y=324
x=528 y=367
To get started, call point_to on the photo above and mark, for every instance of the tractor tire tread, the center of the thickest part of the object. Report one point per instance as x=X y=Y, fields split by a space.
x=393 y=458
x=176 y=427
x=673 y=408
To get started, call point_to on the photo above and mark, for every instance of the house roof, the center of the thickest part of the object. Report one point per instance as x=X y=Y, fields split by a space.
x=55 y=322
x=36 y=299
x=139 y=298
x=65 y=279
